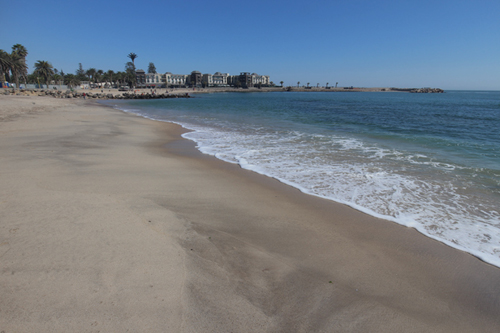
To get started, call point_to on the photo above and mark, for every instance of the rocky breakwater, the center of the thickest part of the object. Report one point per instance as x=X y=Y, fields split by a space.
x=420 y=90
x=82 y=94
x=427 y=91
x=151 y=96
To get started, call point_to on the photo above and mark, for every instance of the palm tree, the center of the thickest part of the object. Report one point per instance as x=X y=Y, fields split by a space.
x=132 y=57
x=281 y=82
x=130 y=74
x=120 y=78
x=110 y=75
x=22 y=52
x=298 y=83
x=44 y=69
x=327 y=84
x=336 y=84
x=307 y=84
x=71 y=80
x=57 y=78
x=17 y=67
x=91 y=74
x=4 y=65
x=98 y=75
x=123 y=77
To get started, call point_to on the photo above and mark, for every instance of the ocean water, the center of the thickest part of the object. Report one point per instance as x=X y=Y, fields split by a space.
x=427 y=161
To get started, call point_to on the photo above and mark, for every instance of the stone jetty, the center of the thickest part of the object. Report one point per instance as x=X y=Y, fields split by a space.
x=420 y=90
x=84 y=94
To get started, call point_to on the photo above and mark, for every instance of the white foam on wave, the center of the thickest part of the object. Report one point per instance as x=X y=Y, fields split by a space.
x=434 y=207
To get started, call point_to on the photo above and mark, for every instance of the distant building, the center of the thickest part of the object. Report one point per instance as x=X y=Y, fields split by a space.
x=260 y=79
x=175 y=80
x=233 y=80
x=140 y=78
x=195 y=79
x=154 y=80
x=207 y=80
x=245 y=79
x=220 y=79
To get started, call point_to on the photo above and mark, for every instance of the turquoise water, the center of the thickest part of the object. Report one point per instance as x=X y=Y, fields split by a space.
x=428 y=161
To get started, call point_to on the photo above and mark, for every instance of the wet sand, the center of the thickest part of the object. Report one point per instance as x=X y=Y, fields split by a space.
x=110 y=222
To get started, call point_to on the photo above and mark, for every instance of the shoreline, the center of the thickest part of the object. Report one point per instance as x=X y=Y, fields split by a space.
x=147 y=233
x=486 y=257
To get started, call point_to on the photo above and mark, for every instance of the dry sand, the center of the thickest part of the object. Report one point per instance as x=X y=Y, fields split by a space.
x=113 y=223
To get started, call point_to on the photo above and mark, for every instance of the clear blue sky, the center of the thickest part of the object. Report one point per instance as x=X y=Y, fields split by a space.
x=368 y=43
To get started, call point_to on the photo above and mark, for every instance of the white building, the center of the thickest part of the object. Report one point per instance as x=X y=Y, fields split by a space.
x=220 y=79
x=155 y=79
x=175 y=80
x=260 y=79
x=210 y=80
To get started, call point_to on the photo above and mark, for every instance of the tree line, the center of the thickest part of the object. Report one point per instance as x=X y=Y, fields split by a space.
x=13 y=69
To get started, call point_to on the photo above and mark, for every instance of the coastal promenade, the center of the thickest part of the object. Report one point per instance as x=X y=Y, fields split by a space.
x=112 y=223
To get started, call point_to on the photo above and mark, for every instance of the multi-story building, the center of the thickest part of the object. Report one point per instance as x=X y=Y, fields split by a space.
x=245 y=80
x=195 y=79
x=140 y=78
x=175 y=80
x=155 y=80
x=260 y=79
x=233 y=80
x=220 y=79
x=207 y=80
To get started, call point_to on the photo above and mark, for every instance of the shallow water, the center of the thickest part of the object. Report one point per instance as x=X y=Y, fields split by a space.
x=429 y=161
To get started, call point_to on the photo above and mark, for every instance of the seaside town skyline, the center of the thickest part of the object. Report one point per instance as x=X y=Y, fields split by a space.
x=152 y=79
x=447 y=44
x=14 y=74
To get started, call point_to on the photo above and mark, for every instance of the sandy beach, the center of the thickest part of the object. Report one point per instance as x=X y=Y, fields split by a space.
x=112 y=223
